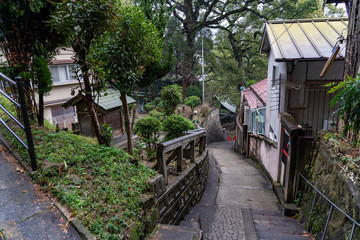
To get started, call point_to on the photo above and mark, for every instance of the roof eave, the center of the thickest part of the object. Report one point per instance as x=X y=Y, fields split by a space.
x=264 y=40
x=305 y=59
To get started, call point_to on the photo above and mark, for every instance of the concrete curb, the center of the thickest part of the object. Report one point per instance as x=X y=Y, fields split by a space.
x=13 y=152
x=249 y=227
x=76 y=223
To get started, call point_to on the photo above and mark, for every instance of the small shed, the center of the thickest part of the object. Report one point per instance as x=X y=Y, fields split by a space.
x=108 y=108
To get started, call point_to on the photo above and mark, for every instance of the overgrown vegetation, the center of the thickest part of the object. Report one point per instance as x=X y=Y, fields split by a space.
x=347 y=98
x=98 y=184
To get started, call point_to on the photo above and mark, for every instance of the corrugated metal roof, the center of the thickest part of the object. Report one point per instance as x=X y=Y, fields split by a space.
x=110 y=99
x=229 y=106
x=255 y=95
x=303 y=38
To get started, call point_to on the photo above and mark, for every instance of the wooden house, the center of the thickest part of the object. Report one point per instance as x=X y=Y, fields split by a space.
x=108 y=107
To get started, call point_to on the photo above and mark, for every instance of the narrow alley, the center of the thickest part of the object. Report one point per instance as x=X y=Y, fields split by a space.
x=239 y=203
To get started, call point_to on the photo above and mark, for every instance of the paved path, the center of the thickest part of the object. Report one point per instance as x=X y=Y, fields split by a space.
x=25 y=212
x=239 y=203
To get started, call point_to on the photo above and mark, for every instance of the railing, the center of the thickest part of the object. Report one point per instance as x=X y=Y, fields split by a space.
x=332 y=206
x=24 y=111
x=177 y=146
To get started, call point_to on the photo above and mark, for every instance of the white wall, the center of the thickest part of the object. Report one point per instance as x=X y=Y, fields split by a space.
x=272 y=108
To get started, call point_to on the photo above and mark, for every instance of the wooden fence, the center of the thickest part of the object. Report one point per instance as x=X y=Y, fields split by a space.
x=178 y=149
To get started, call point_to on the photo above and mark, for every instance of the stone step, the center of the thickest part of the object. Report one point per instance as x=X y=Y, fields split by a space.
x=281 y=236
x=292 y=230
x=274 y=225
x=275 y=220
x=165 y=232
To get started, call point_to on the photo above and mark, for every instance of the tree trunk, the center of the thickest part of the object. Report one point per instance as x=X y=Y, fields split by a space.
x=187 y=68
x=41 y=110
x=127 y=122
x=134 y=116
x=88 y=96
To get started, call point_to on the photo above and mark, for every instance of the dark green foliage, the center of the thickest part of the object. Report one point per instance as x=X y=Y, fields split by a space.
x=194 y=90
x=41 y=75
x=171 y=96
x=155 y=113
x=157 y=12
x=148 y=130
x=150 y=106
x=156 y=101
x=107 y=134
x=125 y=52
x=176 y=126
x=192 y=101
x=348 y=100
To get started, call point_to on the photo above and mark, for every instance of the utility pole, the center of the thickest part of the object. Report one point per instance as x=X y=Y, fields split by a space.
x=203 y=78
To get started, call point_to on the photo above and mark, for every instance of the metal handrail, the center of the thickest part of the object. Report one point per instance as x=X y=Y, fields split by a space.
x=333 y=205
x=24 y=111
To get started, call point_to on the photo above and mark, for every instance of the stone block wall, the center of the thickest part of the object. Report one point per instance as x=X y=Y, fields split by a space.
x=329 y=177
x=175 y=200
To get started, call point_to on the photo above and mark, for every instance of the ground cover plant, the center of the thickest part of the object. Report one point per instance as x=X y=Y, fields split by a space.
x=98 y=184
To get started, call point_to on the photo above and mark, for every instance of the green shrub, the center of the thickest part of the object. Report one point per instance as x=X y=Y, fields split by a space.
x=156 y=101
x=194 y=90
x=176 y=126
x=192 y=101
x=159 y=109
x=171 y=97
x=107 y=134
x=148 y=131
x=348 y=100
x=149 y=106
x=155 y=113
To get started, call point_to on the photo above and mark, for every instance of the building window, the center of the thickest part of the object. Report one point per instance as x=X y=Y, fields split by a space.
x=63 y=73
x=257 y=120
x=274 y=76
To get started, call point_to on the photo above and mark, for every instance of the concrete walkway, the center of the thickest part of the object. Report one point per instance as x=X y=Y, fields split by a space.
x=25 y=212
x=238 y=202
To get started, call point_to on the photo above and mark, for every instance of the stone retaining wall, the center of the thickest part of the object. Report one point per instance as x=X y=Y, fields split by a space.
x=329 y=177
x=175 y=200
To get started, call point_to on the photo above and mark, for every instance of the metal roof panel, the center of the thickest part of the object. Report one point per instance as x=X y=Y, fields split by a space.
x=304 y=38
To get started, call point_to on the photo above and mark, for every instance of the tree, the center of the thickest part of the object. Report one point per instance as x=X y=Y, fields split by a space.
x=171 y=97
x=125 y=51
x=42 y=79
x=176 y=126
x=192 y=101
x=231 y=16
x=24 y=34
x=84 y=22
x=196 y=15
x=148 y=130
